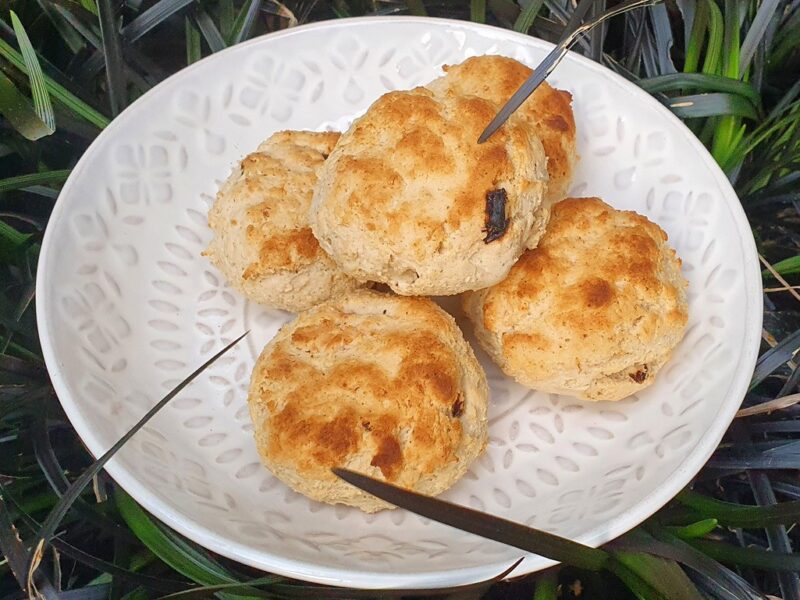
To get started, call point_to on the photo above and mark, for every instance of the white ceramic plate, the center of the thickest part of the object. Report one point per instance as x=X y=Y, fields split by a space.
x=127 y=307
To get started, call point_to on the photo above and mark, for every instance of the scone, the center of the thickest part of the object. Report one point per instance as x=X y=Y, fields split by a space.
x=262 y=242
x=593 y=312
x=380 y=384
x=408 y=198
x=548 y=111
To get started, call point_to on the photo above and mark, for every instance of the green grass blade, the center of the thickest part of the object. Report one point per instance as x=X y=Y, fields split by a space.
x=730 y=514
x=546 y=586
x=90 y=5
x=205 y=591
x=662 y=35
x=726 y=584
x=41 y=98
x=43 y=178
x=77 y=486
x=633 y=582
x=505 y=11
x=716 y=30
x=16 y=108
x=694 y=530
x=193 y=48
x=70 y=37
x=152 y=17
x=244 y=21
x=664 y=576
x=710 y=105
x=747 y=557
x=83 y=26
x=758 y=28
x=728 y=126
x=694 y=43
x=527 y=16
x=417 y=8
x=477 y=11
x=700 y=82
x=59 y=92
x=169 y=547
x=787 y=266
x=209 y=30
x=115 y=65
x=227 y=16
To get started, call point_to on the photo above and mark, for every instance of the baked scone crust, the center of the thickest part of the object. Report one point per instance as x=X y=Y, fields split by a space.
x=593 y=312
x=262 y=243
x=402 y=200
x=547 y=112
x=381 y=384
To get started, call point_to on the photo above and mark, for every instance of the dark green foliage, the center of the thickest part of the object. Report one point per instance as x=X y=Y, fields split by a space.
x=730 y=68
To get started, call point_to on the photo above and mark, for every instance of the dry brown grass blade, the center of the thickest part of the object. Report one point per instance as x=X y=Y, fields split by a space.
x=769 y=406
x=778 y=276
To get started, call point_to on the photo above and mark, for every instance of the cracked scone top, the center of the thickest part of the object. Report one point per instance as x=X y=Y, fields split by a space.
x=262 y=243
x=384 y=385
x=403 y=198
x=593 y=312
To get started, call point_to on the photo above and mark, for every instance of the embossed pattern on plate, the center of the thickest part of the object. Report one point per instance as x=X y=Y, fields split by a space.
x=127 y=307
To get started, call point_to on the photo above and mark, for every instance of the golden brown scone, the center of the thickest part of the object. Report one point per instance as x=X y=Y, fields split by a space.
x=403 y=198
x=593 y=312
x=381 y=384
x=262 y=242
x=548 y=111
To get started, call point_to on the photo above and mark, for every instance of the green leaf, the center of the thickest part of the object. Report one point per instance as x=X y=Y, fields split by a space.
x=505 y=11
x=59 y=92
x=710 y=105
x=664 y=576
x=477 y=11
x=757 y=558
x=193 y=49
x=726 y=132
x=417 y=7
x=244 y=21
x=546 y=586
x=527 y=16
x=758 y=28
x=152 y=17
x=787 y=266
x=205 y=591
x=82 y=21
x=634 y=583
x=169 y=547
x=694 y=530
x=227 y=15
x=730 y=514
x=71 y=39
x=41 y=99
x=115 y=65
x=90 y=6
x=694 y=44
x=15 y=107
x=43 y=178
x=209 y=30
x=700 y=82
x=716 y=31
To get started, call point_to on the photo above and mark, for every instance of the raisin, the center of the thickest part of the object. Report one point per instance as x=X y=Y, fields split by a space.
x=496 y=220
x=458 y=408
x=640 y=375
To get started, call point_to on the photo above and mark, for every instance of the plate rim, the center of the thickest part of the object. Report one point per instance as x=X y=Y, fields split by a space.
x=237 y=551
